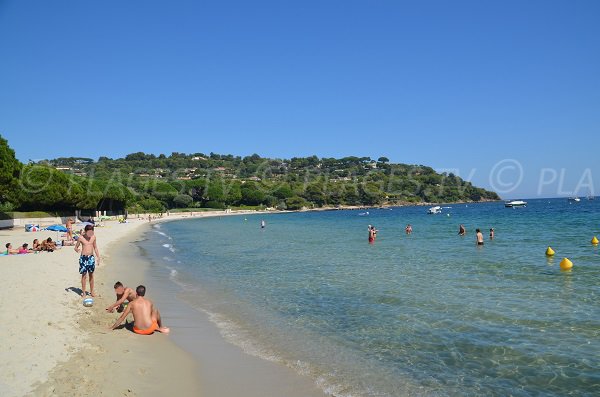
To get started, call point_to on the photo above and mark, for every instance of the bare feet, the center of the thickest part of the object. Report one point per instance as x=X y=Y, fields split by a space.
x=164 y=330
x=83 y=294
x=93 y=294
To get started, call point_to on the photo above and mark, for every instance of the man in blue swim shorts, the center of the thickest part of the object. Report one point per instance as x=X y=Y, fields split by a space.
x=87 y=260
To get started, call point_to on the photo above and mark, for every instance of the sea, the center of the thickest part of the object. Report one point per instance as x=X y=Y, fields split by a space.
x=425 y=314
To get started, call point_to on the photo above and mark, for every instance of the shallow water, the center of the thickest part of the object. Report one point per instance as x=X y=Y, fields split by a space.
x=425 y=314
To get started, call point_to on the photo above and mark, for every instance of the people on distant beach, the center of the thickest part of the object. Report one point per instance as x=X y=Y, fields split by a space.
x=87 y=260
x=146 y=317
x=48 y=245
x=491 y=233
x=408 y=229
x=123 y=294
x=10 y=250
x=36 y=245
x=479 y=237
x=461 y=230
x=24 y=249
x=69 y=226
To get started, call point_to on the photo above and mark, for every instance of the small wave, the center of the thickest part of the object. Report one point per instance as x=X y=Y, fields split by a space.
x=163 y=234
x=237 y=336
x=169 y=247
x=167 y=258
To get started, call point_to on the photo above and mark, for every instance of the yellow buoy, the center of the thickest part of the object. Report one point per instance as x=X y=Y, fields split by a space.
x=595 y=240
x=566 y=264
x=549 y=251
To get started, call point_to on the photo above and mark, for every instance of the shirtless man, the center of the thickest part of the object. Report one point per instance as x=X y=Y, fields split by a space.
x=461 y=230
x=123 y=294
x=146 y=317
x=479 y=237
x=69 y=227
x=87 y=261
x=408 y=229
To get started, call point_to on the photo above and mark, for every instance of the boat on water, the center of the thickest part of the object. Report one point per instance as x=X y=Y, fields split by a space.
x=435 y=210
x=515 y=203
x=574 y=199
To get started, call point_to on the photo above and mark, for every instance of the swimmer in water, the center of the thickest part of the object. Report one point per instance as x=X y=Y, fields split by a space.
x=408 y=229
x=479 y=237
x=461 y=230
x=491 y=233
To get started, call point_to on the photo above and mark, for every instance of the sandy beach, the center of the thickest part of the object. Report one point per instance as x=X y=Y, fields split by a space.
x=53 y=345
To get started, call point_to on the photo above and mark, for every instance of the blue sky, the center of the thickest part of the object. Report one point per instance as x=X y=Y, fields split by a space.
x=467 y=86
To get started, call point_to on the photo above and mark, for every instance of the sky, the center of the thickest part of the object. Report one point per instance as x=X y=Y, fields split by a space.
x=505 y=94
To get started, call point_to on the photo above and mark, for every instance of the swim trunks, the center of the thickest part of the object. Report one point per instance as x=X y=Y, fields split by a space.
x=148 y=331
x=480 y=243
x=87 y=264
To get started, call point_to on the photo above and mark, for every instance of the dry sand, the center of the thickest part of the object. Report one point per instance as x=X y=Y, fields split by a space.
x=53 y=345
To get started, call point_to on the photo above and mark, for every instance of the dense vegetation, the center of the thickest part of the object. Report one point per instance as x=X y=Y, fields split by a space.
x=145 y=182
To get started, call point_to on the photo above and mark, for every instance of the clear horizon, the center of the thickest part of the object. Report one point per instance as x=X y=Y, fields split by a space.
x=504 y=95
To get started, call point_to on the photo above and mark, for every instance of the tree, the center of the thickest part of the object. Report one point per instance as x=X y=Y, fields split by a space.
x=296 y=203
x=10 y=169
x=183 y=200
x=252 y=194
x=383 y=160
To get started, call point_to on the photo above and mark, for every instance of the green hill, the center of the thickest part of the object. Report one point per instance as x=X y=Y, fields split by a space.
x=146 y=182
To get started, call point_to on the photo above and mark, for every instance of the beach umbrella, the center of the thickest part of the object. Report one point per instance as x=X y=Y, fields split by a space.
x=57 y=228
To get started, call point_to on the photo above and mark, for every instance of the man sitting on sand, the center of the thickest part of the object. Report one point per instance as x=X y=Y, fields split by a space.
x=146 y=317
x=123 y=294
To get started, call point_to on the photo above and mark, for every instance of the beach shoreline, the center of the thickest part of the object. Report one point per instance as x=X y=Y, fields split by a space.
x=80 y=355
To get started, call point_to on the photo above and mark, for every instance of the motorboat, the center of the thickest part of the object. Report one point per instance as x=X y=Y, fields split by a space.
x=574 y=199
x=515 y=203
x=435 y=210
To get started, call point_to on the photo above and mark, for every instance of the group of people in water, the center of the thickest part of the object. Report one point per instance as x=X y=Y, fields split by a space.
x=408 y=230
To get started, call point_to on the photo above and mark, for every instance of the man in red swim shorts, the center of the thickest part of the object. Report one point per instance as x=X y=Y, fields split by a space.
x=146 y=317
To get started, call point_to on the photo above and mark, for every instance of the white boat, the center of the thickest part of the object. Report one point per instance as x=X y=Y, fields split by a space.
x=435 y=210
x=574 y=199
x=515 y=203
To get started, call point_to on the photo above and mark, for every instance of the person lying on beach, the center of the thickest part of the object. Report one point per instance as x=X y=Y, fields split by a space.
x=36 y=245
x=24 y=249
x=10 y=250
x=48 y=245
x=146 y=317
x=87 y=260
x=123 y=294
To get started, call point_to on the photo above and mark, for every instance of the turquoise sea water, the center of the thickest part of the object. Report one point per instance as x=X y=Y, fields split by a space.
x=430 y=314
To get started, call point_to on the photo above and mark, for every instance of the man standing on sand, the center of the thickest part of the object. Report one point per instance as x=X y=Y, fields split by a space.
x=146 y=317
x=87 y=261
x=69 y=227
x=123 y=294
